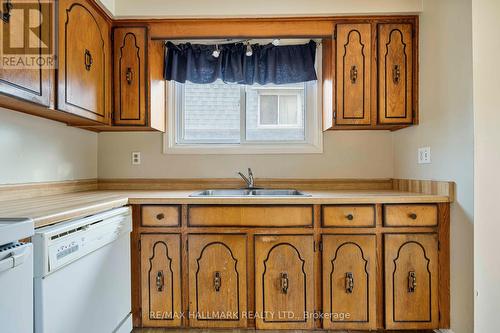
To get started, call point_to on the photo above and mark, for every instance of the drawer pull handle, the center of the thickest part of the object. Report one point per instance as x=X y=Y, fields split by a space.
x=396 y=74
x=160 y=281
x=354 y=74
x=284 y=283
x=349 y=282
x=413 y=216
x=128 y=75
x=350 y=217
x=88 y=60
x=412 y=282
x=217 y=281
x=160 y=216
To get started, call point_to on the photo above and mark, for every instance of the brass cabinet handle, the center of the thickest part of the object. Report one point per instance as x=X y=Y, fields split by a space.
x=349 y=282
x=412 y=282
x=396 y=74
x=354 y=74
x=413 y=216
x=88 y=60
x=217 y=281
x=284 y=283
x=128 y=75
x=160 y=216
x=350 y=217
x=160 y=281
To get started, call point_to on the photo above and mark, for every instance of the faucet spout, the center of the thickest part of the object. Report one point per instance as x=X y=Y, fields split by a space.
x=250 y=181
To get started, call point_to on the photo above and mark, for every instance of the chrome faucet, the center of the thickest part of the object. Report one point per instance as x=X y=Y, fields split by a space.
x=250 y=181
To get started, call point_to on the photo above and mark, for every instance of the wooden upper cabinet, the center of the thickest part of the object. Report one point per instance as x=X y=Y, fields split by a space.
x=84 y=61
x=161 y=280
x=349 y=277
x=130 y=77
x=32 y=83
x=411 y=281
x=395 y=73
x=353 y=74
x=217 y=280
x=284 y=282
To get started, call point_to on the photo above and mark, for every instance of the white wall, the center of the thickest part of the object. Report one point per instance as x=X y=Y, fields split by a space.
x=346 y=155
x=447 y=127
x=33 y=149
x=225 y=8
x=486 y=46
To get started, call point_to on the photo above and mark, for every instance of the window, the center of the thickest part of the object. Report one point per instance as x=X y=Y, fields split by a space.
x=229 y=118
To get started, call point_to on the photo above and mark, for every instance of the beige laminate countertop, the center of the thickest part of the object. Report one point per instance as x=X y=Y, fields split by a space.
x=52 y=209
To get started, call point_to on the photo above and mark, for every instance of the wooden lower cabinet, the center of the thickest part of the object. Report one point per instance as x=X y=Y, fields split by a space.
x=161 y=280
x=349 y=281
x=284 y=281
x=217 y=280
x=411 y=281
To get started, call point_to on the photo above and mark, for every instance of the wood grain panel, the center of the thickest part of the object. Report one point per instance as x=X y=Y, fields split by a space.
x=217 y=280
x=161 y=215
x=247 y=215
x=395 y=65
x=284 y=281
x=348 y=216
x=410 y=215
x=161 y=277
x=411 y=281
x=349 y=275
x=353 y=74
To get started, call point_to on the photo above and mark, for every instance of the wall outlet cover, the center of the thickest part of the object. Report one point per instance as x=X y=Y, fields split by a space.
x=424 y=155
x=136 y=158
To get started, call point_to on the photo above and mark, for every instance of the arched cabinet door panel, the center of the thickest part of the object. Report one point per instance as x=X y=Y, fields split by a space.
x=84 y=61
x=349 y=277
x=130 y=79
x=217 y=280
x=353 y=73
x=160 y=280
x=395 y=73
x=411 y=281
x=31 y=82
x=284 y=281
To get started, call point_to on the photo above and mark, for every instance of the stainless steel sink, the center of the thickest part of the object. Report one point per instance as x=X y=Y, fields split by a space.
x=250 y=193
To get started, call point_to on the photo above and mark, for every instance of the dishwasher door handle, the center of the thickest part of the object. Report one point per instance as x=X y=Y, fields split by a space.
x=14 y=259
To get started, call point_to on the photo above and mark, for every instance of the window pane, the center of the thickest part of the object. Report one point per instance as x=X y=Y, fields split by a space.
x=211 y=112
x=288 y=110
x=268 y=110
x=291 y=126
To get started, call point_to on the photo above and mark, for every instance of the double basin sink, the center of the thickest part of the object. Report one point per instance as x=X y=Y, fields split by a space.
x=250 y=193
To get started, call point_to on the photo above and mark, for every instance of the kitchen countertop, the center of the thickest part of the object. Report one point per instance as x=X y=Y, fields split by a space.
x=52 y=209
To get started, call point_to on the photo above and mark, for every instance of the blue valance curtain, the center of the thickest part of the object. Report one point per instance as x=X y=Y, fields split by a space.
x=234 y=63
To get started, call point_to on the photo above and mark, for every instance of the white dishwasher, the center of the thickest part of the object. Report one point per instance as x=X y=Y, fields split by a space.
x=82 y=275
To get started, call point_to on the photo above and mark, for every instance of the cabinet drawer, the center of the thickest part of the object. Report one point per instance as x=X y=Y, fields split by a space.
x=251 y=216
x=161 y=216
x=348 y=216
x=410 y=215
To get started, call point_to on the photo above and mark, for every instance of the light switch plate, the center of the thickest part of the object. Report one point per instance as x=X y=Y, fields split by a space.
x=136 y=157
x=424 y=155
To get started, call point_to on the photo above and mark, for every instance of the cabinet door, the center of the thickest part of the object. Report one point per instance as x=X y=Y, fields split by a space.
x=284 y=282
x=217 y=280
x=84 y=60
x=395 y=73
x=130 y=84
x=31 y=82
x=349 y=272
x=160 y=280
x=353 y=74
x=411 y=281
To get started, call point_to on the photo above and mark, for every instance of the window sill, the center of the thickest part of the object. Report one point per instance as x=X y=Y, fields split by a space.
x=247 y=149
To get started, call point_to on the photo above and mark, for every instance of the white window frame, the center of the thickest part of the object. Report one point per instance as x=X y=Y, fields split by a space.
x=313 y=143
x=264 y=91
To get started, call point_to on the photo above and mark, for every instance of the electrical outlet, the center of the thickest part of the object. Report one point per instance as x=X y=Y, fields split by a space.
x=424 y=155
x=136 y=157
